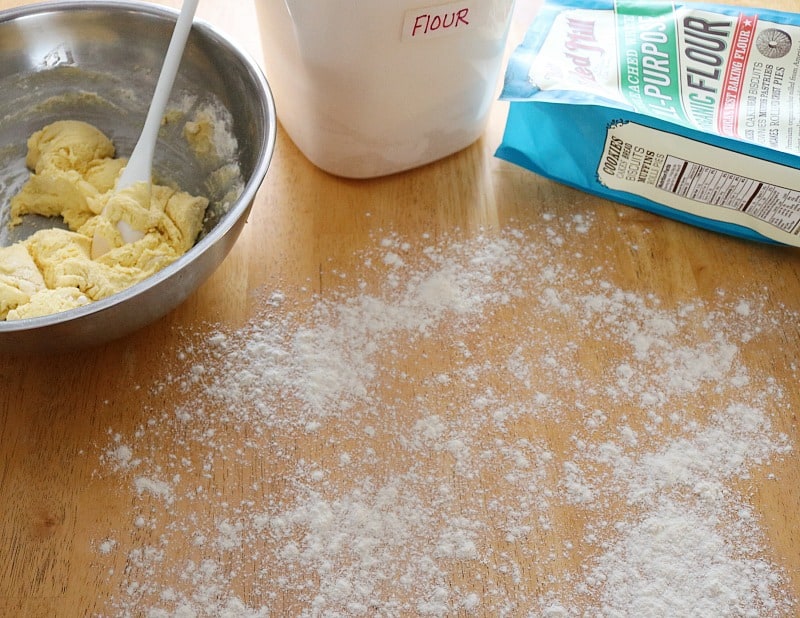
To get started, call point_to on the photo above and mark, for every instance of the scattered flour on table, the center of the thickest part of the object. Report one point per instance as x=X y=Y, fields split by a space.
x=448 y=363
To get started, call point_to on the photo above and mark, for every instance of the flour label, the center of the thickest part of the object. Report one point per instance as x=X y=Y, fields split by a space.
x=435 y=21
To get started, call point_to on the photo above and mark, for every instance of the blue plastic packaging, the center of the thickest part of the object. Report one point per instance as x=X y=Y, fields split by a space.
x=690 y=111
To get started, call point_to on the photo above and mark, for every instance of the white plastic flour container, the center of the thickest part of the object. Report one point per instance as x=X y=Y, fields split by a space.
x=371 y=87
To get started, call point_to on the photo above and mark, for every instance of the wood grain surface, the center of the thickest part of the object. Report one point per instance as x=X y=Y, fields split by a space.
x=308 y=231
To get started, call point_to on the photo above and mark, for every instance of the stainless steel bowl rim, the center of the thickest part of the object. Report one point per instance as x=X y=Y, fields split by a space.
x=238 y=208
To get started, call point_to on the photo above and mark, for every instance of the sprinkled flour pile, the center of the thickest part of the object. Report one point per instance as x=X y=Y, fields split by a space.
x=471 y=428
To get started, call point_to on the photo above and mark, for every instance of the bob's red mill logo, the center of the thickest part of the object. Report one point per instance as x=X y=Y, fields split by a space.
x=580 y=44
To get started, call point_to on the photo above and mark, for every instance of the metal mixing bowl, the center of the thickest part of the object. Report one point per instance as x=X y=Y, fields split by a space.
x=98 y=62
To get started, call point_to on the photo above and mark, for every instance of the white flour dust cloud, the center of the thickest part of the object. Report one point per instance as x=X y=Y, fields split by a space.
x=474 y=427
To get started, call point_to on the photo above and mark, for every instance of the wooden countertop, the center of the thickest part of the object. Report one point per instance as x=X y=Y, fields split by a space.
x=590 y=408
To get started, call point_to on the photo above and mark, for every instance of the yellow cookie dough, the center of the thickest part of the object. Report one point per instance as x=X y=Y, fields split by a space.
x=20 y=278
x=200 y=135
x=73 y=169
x=73 y=176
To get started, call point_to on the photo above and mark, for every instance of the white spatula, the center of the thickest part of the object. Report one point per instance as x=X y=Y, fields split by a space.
x=140 y=163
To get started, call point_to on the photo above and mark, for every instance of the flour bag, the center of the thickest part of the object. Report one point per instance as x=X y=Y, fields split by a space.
x=691 y=111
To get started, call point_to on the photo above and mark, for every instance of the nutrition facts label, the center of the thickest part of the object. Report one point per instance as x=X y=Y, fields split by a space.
x=700 y=179
x=773 y=204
